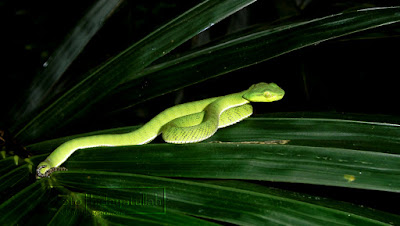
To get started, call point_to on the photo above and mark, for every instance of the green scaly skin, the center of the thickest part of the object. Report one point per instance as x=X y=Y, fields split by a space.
x=185 y=123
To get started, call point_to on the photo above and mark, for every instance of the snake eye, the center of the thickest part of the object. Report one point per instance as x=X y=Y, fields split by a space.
x=267 y=94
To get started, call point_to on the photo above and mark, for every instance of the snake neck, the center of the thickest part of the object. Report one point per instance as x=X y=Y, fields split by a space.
x=214 y=110
x=224 y=103
x=209 y=124
x=154 y=127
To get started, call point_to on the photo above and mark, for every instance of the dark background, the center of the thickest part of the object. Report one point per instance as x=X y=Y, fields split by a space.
x=352 y=74
x=355 y=73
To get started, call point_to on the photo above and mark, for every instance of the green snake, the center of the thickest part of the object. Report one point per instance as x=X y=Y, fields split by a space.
x=185 y=123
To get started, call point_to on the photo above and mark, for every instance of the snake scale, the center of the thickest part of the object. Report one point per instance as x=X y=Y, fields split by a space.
x=184 y=123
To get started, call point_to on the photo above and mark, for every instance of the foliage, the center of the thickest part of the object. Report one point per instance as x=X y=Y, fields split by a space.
x=278 y=168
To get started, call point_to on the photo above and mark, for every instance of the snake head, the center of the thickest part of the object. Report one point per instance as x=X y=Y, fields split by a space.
x=264 y=92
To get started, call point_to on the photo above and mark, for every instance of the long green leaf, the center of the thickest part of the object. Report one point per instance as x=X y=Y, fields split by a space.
x=13 y=181
x=244 y=51
x=312 y=199
x=282 y=163
x=127 y=64
x=7 y=165
x=77 y=208
x=226 y=204
x=62 y=58
x=19 y=205
x=321 y=132
x=344 y=153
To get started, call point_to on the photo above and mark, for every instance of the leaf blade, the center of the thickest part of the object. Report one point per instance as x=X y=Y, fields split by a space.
x=345 y=153
x=251 y=49
x=226 y=204
x=129 y=62
x=63 y=57
x=280 y=163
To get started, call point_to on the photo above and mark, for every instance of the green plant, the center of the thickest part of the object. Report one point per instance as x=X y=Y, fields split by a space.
x=281 y=168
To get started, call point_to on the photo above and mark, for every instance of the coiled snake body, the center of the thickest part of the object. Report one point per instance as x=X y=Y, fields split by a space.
x=185 y=123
